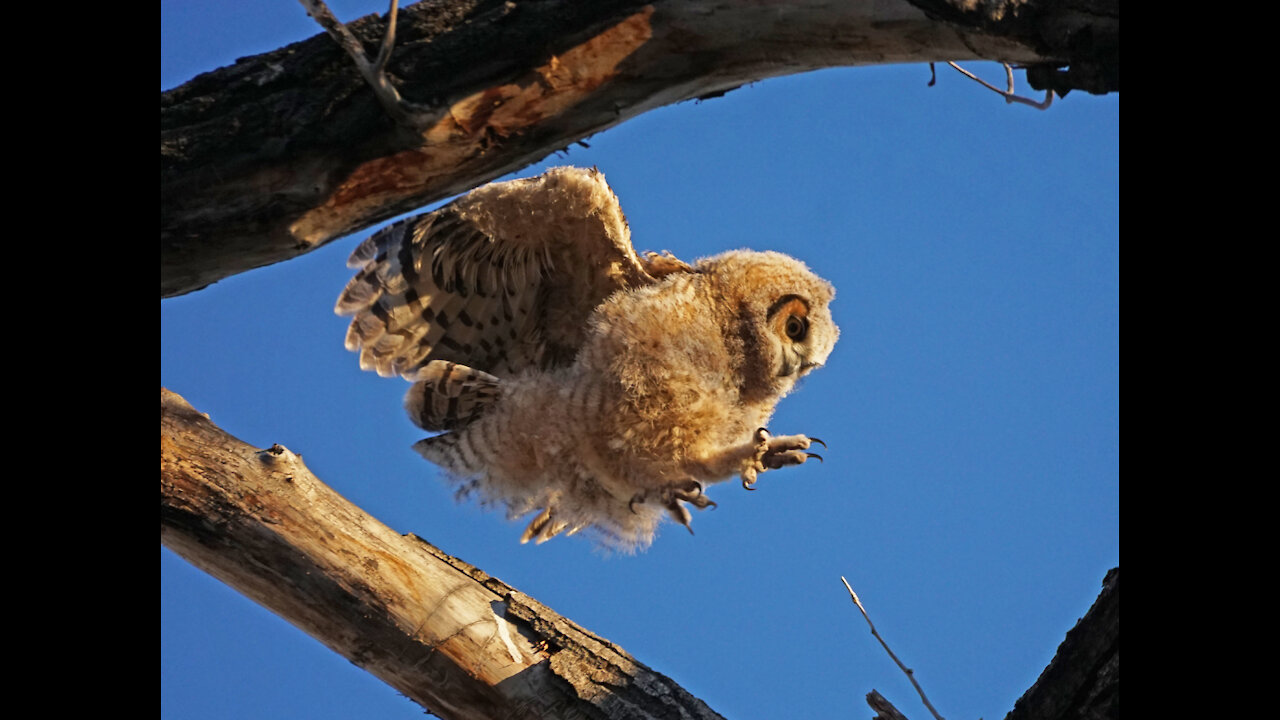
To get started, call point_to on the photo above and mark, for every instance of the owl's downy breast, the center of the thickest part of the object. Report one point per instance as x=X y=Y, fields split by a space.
x=670 y=358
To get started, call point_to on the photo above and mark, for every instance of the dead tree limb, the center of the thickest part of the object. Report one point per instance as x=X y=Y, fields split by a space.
x=1082 y=682
x=283 y=152
x=458 y=642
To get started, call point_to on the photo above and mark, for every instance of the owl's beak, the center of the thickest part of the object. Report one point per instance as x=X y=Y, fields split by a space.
x=794 y=366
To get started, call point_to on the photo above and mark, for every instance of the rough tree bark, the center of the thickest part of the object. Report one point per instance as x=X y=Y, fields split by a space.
x=458 y=642
x=1083 y=679
x=281 y=153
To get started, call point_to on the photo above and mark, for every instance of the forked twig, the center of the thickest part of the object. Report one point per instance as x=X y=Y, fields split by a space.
x=402 y=111
x=904 y=668
x=1009 y=95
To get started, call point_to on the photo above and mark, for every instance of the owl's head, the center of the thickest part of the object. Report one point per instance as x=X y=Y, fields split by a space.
x=783 y=315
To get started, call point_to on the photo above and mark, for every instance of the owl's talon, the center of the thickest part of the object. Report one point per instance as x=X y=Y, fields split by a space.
x=689 y=486
x=674 y=496
x=698 y=500
x=681 y=514
x=774 y=452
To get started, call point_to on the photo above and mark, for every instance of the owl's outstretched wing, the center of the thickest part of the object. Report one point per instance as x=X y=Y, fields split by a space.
x=500 y=280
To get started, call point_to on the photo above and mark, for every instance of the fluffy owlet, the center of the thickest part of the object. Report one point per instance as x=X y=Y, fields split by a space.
x=571 y=378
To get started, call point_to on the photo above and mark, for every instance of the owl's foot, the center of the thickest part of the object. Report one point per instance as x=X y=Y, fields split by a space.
x=673 y=496
x=776 y=452
x=544 y=527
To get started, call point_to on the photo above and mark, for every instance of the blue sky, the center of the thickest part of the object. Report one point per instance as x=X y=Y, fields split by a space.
x=971 y=486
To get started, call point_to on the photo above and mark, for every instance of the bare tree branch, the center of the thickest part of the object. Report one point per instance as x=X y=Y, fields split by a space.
x=461 y=643
x=1082 y=682
x=911 y=675
x=283 y=152
x=458 y=642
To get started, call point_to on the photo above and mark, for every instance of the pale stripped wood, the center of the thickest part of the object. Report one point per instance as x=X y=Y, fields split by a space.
x=458 y=642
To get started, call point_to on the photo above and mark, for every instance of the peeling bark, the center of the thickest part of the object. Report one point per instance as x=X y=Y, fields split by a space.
x=283 y=152
x=458 y=642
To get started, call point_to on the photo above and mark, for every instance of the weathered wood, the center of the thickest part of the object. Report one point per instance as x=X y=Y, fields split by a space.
x=283 y=152
x=1083 y=34
x=884 y=709
x=460 y=643
x=1082 y=682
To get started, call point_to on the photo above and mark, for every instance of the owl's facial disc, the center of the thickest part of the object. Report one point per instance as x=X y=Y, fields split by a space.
x=788 y=316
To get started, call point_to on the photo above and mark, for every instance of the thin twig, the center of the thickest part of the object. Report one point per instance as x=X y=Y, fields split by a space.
x=402 y=111
x=1008 y=95
x=910 y=674
x=389 y=39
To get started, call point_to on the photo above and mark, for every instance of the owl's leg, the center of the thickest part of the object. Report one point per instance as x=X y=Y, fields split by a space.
x=673 y=496
x=773 y=452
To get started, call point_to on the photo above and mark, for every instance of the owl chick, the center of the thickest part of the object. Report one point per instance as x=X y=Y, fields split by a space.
x=573 y=379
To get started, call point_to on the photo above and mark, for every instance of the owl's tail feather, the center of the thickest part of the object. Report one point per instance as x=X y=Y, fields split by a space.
x=447 y=396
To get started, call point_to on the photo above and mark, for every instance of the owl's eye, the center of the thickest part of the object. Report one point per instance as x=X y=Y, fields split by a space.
x=797 y=327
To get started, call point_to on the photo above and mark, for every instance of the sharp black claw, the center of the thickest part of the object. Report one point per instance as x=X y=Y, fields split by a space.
x=816 y=440
x=815 y=455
